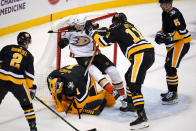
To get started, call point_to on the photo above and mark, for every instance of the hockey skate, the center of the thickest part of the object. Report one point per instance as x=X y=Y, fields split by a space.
x=115 y=93
x=127 y=106
x=140 y=122
x=169 y=98
x=32 y=126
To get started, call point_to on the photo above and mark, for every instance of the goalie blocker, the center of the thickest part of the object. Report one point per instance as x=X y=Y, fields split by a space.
x=74 y=93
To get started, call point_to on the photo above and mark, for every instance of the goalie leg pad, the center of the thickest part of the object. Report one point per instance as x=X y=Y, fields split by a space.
x=95 y=107
x=111 y=101
x=95 y=104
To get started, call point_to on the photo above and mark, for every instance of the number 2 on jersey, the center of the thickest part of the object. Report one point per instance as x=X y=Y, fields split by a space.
x=135 y=34
x=16 y=60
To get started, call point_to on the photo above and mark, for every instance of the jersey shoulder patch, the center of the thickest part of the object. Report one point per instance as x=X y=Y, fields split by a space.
x=173 y=12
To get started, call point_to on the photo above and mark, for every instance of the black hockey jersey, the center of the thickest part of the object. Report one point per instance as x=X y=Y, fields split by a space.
x=173 y=22
x=17 y=65
x=75 y=83
x=128 y=38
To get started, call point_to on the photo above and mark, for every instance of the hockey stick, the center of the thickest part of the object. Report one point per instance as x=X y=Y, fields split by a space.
x=92 y=58
x=51 y=31
x=56 y=113
x=94 y=129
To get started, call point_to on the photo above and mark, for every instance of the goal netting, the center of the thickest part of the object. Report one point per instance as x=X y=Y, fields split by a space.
x=54 y=58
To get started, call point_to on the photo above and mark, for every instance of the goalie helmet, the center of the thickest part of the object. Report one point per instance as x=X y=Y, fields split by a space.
x=165 y=1
x=23 y=38
x=119 y=18
x=80 y=20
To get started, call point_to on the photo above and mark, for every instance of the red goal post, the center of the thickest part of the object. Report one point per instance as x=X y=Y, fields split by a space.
x=58 y=59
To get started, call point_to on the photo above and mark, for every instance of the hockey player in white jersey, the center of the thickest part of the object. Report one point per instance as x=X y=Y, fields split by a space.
x=82 y=48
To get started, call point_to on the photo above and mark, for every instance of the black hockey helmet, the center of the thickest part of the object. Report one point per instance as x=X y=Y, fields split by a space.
x=23 y=38
x=165 y=1
x=119 y=18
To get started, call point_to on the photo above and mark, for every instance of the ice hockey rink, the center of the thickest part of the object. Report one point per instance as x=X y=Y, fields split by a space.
x=147 y=18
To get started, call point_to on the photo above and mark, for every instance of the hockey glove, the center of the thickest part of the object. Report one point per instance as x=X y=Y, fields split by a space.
x=111 y=26
x=169 y=37
x=63 y=43
x=89 y=27
x=160 y=37
x=163 y=38
x=32 y=91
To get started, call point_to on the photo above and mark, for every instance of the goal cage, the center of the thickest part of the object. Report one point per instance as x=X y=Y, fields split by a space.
x=102 y=20
x=52 y=59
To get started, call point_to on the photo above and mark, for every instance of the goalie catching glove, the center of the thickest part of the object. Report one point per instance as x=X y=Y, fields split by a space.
x=32 y=91
x=163 y=38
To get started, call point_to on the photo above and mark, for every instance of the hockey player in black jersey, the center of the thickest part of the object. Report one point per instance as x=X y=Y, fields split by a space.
x=75 y=93
x=177 y=39
x=139 y=52
x=17 y=75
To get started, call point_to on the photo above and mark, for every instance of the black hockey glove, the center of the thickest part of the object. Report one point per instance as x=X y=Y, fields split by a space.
x=169 y=37
x=89 y=27
x=112 y=25
x=63 y=43
x=160 y=37
x=163 y=38
x=32 y=91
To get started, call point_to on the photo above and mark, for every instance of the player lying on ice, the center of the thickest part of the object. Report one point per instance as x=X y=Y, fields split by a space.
x=75 y=93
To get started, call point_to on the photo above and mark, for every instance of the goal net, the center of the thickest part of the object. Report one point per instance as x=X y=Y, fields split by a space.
x=55 y=58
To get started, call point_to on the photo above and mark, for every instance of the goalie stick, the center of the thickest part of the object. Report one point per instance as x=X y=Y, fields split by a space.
x=94 y=129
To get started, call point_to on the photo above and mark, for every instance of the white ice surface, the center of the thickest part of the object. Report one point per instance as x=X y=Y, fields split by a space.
x=147 y=18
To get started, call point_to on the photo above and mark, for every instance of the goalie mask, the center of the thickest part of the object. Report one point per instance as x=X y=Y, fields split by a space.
x=119 y=18
x=23 y=38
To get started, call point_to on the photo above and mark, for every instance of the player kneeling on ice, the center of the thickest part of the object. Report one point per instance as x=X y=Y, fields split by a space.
x=75 y=93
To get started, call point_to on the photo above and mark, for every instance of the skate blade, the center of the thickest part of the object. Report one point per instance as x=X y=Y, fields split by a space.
x=170 y=102
x=140 y=126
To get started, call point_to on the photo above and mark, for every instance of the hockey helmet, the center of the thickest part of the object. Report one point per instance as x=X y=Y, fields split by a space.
x=119 y=18
x=23 y=38
x=80 y=20
x=165 y=1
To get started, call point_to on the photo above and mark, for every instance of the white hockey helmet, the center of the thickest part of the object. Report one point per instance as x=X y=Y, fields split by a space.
x=80 y=20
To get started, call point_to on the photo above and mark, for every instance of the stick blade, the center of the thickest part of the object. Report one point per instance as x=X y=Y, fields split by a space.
x=94 y=129
x=50 y=31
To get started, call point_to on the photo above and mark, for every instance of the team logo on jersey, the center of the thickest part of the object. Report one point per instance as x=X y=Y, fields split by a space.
x=71 y=85
x=107 y=63
x=82 y=41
